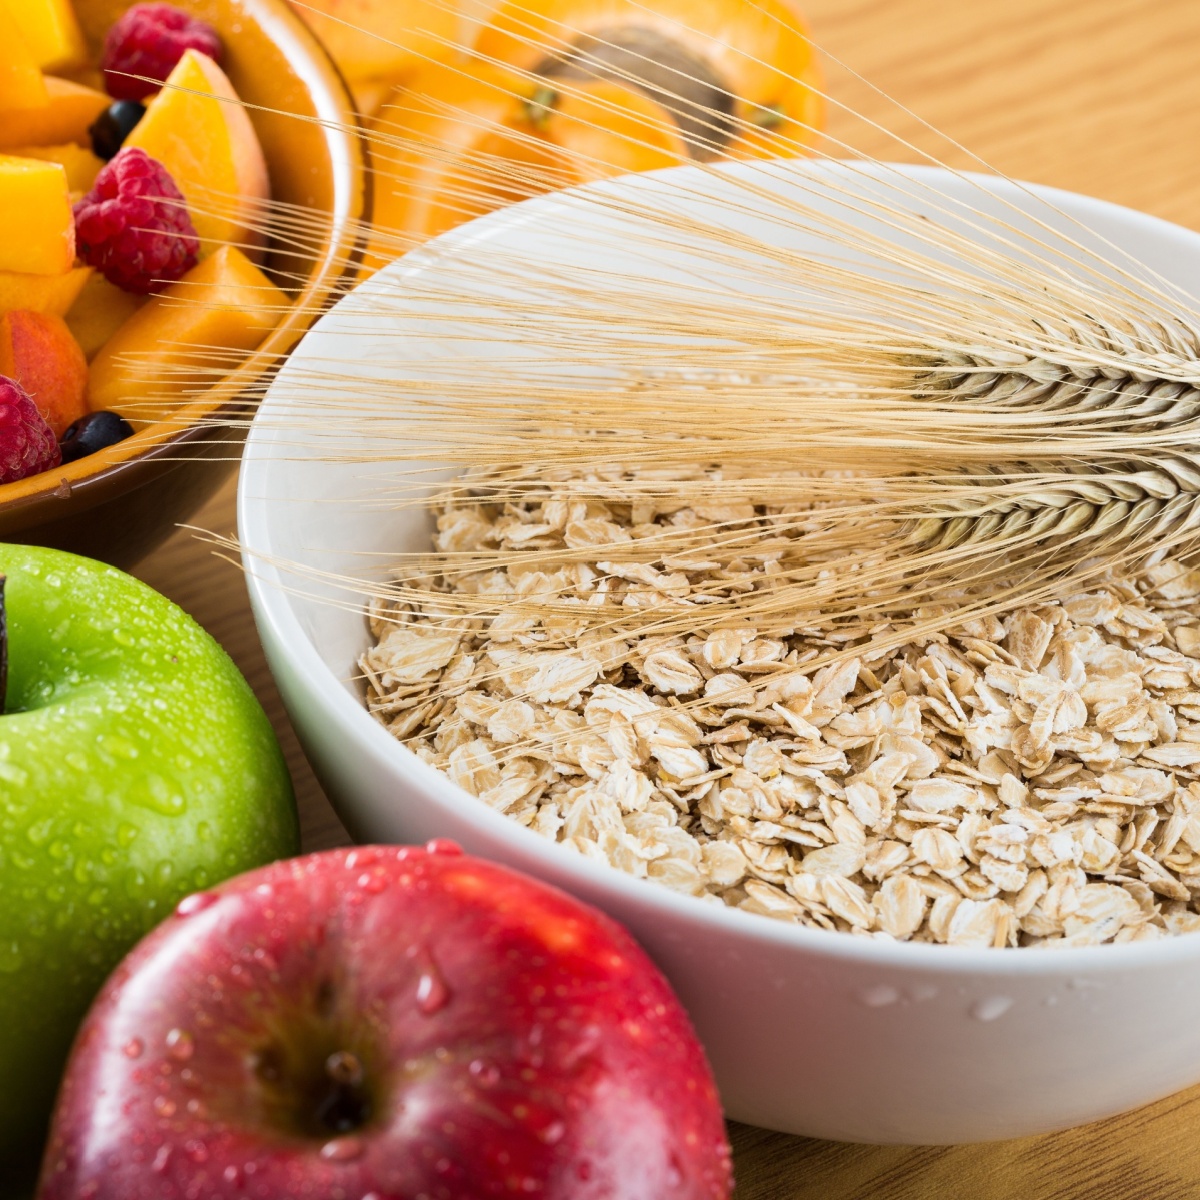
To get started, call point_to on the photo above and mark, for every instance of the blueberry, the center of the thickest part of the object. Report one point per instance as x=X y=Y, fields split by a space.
x=113 y=126
x=92 y=433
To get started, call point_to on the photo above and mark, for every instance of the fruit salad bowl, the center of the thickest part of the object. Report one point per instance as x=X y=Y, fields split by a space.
x=119 y=502
x=810 y=1031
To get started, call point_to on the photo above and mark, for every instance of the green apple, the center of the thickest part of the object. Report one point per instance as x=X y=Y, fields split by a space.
x=136 y=767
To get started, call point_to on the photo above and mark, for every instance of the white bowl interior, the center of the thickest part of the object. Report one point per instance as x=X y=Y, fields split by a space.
x=814 y=1033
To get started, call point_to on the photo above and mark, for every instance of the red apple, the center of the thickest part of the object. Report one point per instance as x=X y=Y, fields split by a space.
x=387 y=1023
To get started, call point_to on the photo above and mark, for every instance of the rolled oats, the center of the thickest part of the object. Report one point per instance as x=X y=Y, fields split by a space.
x=1023 y=779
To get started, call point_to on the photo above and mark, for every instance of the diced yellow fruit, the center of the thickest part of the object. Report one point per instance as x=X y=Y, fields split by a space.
x=49 y=294
x=39 y=234
x=101 y=309
x=200 y=132
x=146 y=370
x=21 y=82
x=64 y=118
x=81 y=165
x=51 y=32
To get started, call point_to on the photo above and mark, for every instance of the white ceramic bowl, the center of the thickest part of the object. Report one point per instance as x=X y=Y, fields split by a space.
x=810 y=1032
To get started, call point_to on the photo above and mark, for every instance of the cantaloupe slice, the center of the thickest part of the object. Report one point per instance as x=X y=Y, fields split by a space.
x=50 y=294
x=100 y=309
x=70 y=109
x=21 y=82
x=172 y=346
x=197 y=129
x=39 y=233
x=50 y=31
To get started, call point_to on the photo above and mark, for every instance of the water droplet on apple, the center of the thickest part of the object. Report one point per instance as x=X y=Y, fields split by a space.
x=484 y=1073
x=180 y=1044
x=552 y=1134
x=196 y=902
x=442 y=846
x=344 y=1068
x=118 y=746
x=162 y=1158
x=134 y=1048
x=126 y=833
x=232 y=1174
x=14 y=775
x=39 y=832
x=163 y=873
x=432 y=992
x=371 y=882
x=164 y=1106
x=122 y=638
x=265 y=959
x=674 y=1171
x=343 y=1149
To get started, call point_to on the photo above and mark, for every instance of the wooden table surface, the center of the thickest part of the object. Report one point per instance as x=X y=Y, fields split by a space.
x=1097 y=96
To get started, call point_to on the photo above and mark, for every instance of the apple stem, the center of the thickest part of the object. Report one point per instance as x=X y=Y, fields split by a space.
x=3 y=647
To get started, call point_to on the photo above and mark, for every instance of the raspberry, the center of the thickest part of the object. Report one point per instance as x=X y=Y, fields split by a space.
x=134 y=226
x=148 y=40
x=27 y=444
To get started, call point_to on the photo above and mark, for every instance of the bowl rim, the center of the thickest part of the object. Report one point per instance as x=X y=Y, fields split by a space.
x=349 y=218
x=279 y=625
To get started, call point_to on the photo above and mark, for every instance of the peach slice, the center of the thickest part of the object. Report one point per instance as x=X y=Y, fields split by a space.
x=21 y=82
x=39 y=234
x=70 y=109
x=81 y=165
x=50 y=31
x=100 y=310
x=38 y=351
x=54 y=294
x=198 y=130
x=172 y=347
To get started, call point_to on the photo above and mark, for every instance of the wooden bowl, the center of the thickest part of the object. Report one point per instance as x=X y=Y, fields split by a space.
x=118 y=504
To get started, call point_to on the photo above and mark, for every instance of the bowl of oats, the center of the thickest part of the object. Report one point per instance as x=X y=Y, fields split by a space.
x=909 y=871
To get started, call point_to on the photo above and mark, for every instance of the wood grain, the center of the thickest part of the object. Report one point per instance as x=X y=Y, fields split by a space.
x=1097 y=96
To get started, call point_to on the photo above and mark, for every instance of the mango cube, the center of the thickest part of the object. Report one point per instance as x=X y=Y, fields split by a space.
x=65 y=117
x=50 y=294
x=81 y=165
x=198 y=130
x=39 y=235
x=50 y=31
x=99 y=311
x=170 y=349
x=21 y=82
